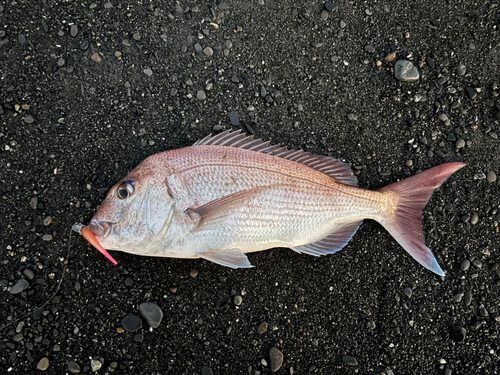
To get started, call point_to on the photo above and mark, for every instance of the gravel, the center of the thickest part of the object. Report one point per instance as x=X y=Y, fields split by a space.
x=292 y=72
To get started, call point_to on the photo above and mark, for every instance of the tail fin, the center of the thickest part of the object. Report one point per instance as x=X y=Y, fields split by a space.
x=411 y=196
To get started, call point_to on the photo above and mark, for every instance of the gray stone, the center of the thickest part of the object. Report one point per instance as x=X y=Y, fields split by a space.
x=443 y=117
x=458 y=333
x=95 y=365
x=200 y=95
x=491 y=176
x=73 y=30
x=148 y=72
x=349 y=360
x=21 y=39
x=474 y=219
x=464 y=266
x=131 y=323
x=275 y=358
x=74 y=367
x=208 y=51
x=152 y=313
x=461 y=69
x=20 y=286
x=29 y=273
x=262 y=328
x=43 y=364
x=233 y=117
x=369 y=48
x=405 y=71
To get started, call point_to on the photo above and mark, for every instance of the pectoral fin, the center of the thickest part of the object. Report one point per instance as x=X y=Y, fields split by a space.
x=233 y=258
x=216 y=212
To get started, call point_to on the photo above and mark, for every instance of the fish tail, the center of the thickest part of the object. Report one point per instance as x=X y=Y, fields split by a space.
x=410 y=197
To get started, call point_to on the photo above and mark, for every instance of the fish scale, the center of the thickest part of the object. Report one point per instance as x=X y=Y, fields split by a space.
x=228 y=195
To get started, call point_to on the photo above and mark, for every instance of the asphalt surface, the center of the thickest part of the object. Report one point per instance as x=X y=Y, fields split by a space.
x=88 y=90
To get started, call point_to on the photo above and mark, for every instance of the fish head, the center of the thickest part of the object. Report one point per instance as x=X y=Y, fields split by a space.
x=133 y=213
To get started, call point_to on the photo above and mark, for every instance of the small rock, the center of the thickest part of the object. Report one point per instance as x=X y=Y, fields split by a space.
x=461 y=69
x=471 y=92
x=464 y=266
x=139 y=337
x=193 y=273
x=467 y=298
x=43 y=364
x=430 y=61
x=73 y=30
x=47 y=221
x=74 y=367
x=148 y=72
x=329 y=6
x=349 y=360
x=152 y=313
x=275 y=359
x=47 y=237
x=443 y=117
x=474 y=219
x=96 y=57
x=205 y=370
x=408 y=292
x=491 y=176
x=233 y=117
x=29 y=273
x=369 y=48
x=352 y=117
x=390 y=57
x=460 y=143
x=21 y=38
x=405 y=71
x=84 y=45
x=238 y=300
x=95 y=365
x=131 y=323
x=19 y=287
x=200 y=95
x=262 y=328
x=483 y=311
x=458 y=333
x=28 y=119
x=208 y=51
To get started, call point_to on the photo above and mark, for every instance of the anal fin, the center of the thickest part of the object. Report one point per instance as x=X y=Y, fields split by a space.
x=233 y=258
x=332 y=243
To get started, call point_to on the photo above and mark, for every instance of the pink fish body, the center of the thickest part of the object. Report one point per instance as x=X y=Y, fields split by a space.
x=229 y=194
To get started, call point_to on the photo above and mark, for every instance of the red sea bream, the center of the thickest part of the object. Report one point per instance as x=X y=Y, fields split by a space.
x=229 y=194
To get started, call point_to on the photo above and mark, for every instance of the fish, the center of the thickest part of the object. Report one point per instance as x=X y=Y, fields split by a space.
x=230 y=194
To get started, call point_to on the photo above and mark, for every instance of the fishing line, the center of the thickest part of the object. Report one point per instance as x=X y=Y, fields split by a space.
x=54 y=294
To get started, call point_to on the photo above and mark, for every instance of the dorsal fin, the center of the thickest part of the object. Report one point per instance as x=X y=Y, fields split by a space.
x=332 y=167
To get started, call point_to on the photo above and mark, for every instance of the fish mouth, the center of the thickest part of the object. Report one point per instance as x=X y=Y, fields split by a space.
x=101 y=228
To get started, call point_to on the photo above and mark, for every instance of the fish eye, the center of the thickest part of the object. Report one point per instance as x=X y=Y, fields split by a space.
x=125 y=190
